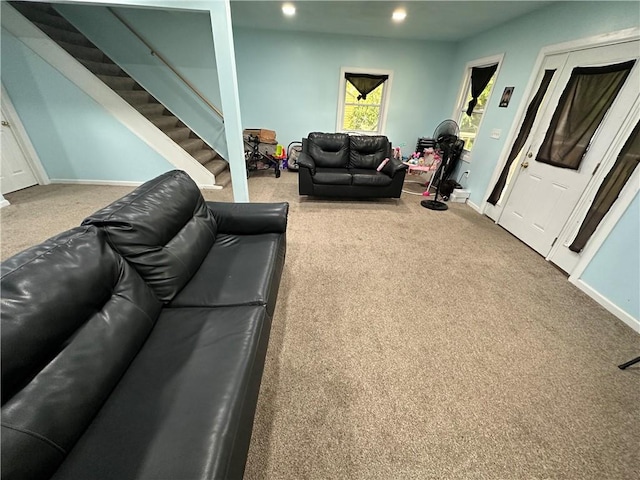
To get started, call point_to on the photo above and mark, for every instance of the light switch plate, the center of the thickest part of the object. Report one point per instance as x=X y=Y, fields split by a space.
x=495 y=133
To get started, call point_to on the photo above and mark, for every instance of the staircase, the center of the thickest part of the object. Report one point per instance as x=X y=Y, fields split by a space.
x=49 y=21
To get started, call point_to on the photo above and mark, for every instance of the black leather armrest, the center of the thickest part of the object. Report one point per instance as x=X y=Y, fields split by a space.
x=304 y=160
x=393 y=166
x=250 y=218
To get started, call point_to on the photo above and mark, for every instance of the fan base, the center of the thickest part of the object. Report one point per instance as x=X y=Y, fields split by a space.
x=434 y=205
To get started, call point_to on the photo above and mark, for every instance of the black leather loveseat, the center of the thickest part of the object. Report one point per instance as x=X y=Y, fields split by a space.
x=133 y=346
x=341 y=165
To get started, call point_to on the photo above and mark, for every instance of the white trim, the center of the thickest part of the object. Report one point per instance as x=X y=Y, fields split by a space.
x=382 y=127
x=111 y=183
x=474 y=206
x=467 y=155
x=466 y=79
x=59 y=59
x=22 y=137
x=610 y=38
x=4 y=202
x=608 y=305
x=608 y=223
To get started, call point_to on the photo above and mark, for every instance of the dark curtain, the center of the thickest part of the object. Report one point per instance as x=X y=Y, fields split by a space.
x=582 y=106
x=480 y=77
x=364 y=83
x=610 y=189
x=523 y=134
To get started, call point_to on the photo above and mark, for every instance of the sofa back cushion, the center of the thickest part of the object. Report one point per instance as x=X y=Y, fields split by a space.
x=368 y=152
x=328 y=150
x=74 y=314
x=163 y=228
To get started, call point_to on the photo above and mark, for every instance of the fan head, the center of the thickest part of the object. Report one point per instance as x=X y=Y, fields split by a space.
x=447 y=128
x=446 y=133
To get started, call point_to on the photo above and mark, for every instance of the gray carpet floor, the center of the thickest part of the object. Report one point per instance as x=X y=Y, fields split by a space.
x=411 y=344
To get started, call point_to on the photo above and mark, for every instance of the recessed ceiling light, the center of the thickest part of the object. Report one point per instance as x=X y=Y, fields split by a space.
x=288 y=9
x=399 y=15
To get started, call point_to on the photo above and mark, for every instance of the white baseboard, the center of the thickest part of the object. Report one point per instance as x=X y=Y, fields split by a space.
x=4 y=203
x=610 y=306
x=113 y=183
x=474 y=206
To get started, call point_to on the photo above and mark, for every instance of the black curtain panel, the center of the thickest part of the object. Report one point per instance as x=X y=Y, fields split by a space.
x=582 y=106
x=610 y=189
x=364 y=83
x=480 y=77
x=523 y=135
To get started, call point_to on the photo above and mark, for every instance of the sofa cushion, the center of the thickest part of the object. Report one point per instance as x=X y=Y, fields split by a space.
x=363 y=176
x=184 y=409
x=238 y=270
x=329 y=150
x=163 y=228
x=368 y=152
x=332 y=176
x=74 y=315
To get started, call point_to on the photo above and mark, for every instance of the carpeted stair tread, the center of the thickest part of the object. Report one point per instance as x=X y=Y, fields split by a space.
x=58 y=34
x=216 y=166
x=164 y=122
x=100 y=68
x=223 y=178
x=191 y=145
x=136 y=97
x=204 y=156
x=150 y=109
x=83 y=52
x=118 y=82
x=44 y=17
x=178 y=134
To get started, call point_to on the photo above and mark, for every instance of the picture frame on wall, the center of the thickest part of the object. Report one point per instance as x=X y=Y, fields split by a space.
x=506 y=97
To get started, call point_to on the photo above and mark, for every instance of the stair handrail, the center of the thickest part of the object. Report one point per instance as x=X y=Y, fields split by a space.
x=166 y=62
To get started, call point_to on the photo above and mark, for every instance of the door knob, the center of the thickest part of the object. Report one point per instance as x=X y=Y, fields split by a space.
x=524 y=164
x=5 y=123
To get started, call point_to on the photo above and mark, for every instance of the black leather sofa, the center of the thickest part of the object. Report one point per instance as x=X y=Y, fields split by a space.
x=133 y=346
x=341 y=165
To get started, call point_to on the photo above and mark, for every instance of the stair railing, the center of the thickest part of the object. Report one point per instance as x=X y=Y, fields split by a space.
x=164 y=60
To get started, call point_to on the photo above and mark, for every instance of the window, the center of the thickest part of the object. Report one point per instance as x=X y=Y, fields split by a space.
x=470 y=124
x=363 y=113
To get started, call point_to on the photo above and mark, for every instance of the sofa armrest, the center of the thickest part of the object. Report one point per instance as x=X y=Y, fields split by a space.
x=250 y=218
x=304 y=160
x=393 y=166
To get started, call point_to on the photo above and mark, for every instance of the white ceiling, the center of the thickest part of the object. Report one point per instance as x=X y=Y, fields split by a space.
x=426 y=20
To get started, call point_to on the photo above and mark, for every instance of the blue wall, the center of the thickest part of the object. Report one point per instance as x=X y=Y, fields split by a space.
x=289 y=81
x=183 y=38
x=521 y=41
x=72 y=134
x=615 y=270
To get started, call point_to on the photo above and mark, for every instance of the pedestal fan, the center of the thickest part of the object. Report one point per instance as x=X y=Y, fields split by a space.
x=446 y=135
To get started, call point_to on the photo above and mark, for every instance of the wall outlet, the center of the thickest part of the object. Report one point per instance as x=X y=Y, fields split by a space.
x=495 y=133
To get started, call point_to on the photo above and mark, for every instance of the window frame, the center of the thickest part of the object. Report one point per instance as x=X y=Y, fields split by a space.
x=463 y=92
x=384 y=105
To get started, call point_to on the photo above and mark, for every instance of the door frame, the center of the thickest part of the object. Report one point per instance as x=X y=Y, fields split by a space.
x=24 y=142
x=611 y=38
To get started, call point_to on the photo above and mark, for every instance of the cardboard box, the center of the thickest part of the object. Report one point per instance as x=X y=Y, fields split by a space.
x=264 y=135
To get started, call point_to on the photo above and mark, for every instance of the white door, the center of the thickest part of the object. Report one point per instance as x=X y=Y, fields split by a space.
x=15 y=173
x=543 y=196
x=550 y=62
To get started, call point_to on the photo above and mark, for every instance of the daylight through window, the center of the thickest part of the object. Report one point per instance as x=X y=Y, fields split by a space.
x=360 y=112
x=470 y=124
